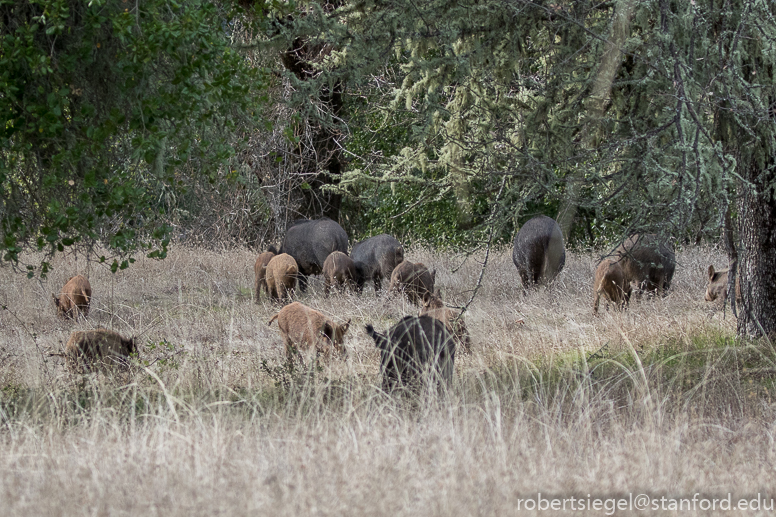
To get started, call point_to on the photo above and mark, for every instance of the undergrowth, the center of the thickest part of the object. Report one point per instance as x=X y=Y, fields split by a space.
x=707 y=373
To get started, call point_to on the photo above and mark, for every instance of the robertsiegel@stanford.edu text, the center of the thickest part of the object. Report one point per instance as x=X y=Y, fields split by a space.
x=645 y=502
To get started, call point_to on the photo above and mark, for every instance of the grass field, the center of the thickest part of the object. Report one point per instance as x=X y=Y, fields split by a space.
x=660 y=399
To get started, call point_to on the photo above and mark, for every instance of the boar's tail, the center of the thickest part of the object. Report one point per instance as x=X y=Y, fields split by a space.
x=381 y=341
x=273 y=319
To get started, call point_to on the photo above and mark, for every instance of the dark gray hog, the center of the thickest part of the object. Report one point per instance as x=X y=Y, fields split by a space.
x=310 y=242
x=376 y=258
x=539 y=253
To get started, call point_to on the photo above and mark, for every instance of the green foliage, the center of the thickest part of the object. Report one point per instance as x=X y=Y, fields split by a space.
x=434 y=222
x=418 y=208
x=102 y=101
x=167 y=355
x=475 y=93
x=461 y=118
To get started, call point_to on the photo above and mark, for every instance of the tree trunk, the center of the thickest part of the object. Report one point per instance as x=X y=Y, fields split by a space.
x=757 y=252
x=611 y=60
x=728 y=237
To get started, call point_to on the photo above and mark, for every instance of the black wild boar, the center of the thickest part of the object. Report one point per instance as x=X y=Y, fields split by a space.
x=310 y=242
x=647 y=261
x=376 y=258
x=414 y=279
x=413 y=348
x=338 y=270
x=539 y=253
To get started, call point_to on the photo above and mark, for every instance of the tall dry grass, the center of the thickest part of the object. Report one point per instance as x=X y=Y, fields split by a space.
x=658 y=399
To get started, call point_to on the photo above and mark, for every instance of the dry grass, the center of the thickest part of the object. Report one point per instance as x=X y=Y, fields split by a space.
x=215 y=425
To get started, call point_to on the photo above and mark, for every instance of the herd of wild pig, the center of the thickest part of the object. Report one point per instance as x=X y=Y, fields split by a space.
x=417 y=347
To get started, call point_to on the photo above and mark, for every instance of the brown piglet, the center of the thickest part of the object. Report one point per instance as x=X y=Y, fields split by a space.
x=309 y=331
x=74 y=298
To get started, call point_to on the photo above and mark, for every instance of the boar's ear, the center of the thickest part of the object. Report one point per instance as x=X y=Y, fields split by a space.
x=711 y=272
x=328 y=331
x=344 y=327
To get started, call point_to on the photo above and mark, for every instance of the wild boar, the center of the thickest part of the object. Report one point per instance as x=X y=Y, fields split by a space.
x=310 y=242
x=281 y=275
x=539 y=253
x=260 y=271
x=99 y=348
x=718 y=286
x=647 y=261
x=416 y=348
x=309 y=331
x=414 y=279
x=338 y=270
x=452 y=318
x=375 y=259
x=74 y=298
x=610 y=282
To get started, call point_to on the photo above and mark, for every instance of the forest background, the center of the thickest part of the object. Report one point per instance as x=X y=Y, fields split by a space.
x=197 y=131
x=129 y=126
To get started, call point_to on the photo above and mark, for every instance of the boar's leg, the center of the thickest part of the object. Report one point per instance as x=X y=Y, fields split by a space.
x=302 y=280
